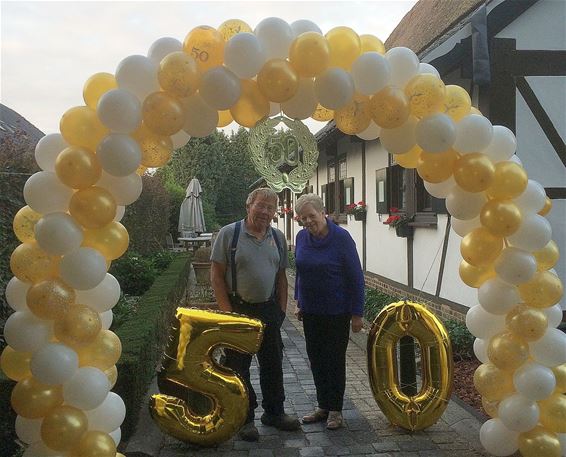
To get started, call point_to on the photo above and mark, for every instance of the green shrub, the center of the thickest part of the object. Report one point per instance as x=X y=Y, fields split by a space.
x=291 y=257
x=161 y=260
x=124 y=310
x=202 y=254
x=376 y=300
x=462 y=340
x=134 y=272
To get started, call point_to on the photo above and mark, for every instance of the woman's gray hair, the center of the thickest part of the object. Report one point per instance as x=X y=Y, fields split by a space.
x=309 y=199
x=264 y=192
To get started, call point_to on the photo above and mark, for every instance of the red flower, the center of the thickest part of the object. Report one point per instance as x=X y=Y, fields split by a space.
x=393 y=210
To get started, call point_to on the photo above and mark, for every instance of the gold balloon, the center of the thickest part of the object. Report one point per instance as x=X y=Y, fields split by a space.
x=187 y=365
x=474 y=172
x=490 y=407
x=102 y=353
x=206 y=46
x=345 y=47
x=457 y=102
x=178 y=74
x=492 y=383
x=96 y=86
x=232 y=27
x=322 y=114
x=560 y=375
x=24 y=224
x=539 y=442
x=509 y=180
x=501 y=217
x=156 y=149
x=426 y=94
x=94 y=444
x=32 y=399
x=547 y=207
x=527 y=323
x=409 y=159
x=78 y=167
x=547 y=257
x=371 y=43
x=507 y=351
x=553 y=413
x=50 y=299
x=140 y=171
x=543 y=290
x=63 y=428
x=93 y=207
x=309 y=54
x=224 y=118
x=15 y=364
x=475 y=276
x=79 y=326
x=480 y=247
x=81 y=127
x=111 y=240
x=436 y=167
x=354 y=117
x=252 y=106
x=163 y=113
x=30 y=263
x=395 y=321
x=389 y=107
x=112 y=375
x=277 y=80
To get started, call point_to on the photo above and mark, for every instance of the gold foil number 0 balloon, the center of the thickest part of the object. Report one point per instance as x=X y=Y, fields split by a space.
x=425 y=408
x=188 y=365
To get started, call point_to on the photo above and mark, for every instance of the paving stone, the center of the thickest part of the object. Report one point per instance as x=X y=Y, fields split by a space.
x=314 y=451
x=261 y=453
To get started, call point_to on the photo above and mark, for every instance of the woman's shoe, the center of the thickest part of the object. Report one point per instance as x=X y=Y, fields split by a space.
x=318 y=415
x=335 y=420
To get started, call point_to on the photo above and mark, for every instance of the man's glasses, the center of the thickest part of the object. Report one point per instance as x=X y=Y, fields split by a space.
x=262 y=206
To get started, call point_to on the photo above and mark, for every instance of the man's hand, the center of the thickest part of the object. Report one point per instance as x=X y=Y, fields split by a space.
x=298 y=313
x=357 y=323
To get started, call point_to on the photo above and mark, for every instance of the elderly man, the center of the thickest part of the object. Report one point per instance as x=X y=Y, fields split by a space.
x=249 y=259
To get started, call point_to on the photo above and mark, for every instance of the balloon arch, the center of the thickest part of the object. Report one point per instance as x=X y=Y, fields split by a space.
x=60 y=349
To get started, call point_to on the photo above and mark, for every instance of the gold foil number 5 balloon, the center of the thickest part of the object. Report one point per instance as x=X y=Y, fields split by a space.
x=189 y=366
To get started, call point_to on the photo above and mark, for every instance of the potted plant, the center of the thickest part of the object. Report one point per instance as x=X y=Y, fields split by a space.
x=358 y=210
x=401 y=223
x=201 y=264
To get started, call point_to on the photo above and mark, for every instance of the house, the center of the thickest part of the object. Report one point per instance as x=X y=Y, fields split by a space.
x=510 y=55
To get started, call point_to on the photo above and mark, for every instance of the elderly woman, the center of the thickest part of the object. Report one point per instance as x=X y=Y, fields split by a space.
x=329 y=290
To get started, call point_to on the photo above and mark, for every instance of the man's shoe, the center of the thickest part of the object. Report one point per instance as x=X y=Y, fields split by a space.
x=249 y=432
x=281 y=422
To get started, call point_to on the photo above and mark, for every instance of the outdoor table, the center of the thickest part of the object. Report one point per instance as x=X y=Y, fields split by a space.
x=196 y=241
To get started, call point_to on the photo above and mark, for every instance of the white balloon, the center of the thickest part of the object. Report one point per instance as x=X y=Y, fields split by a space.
x=401 y=139
x=220 y=88
x=303 y=26
x=162 y=47
x=47 y=149
x=83 y=269
x=404 y=65
x=535 y=382
x=58 y=233
x=334 y=88
x=371 y=133
x=435 y=133
x=28 y=430
x=38 y=449
x=87 y=389
x=463 y=227
x=119 y=110
x=550 y=350
x=429 y=69
x=125 y=189
x=116 y=435
x=303 y=103
x=532 y=199
x=515 y=265
x=25 y=332
x=440 y=189
x=503 y=144
x=562 y=439
x=119 y=154
x=54 y=364
x=109 y=415
x=244 y=55
x=371 y=73
x=16 y=292
x=201 y=119
x=498 y=439
x=480 y=350
x=138 y=74
x=120 y=210
x=515 y=158
x=473 y=134
x=464 y=205
x=45 y=193
x=180 y=139
x=483 y=324
x=518 y=413
x=106 y=319
x=533 y=234
x=498 y=297
x=554 y=315
x=275 y=37
x=102 y=297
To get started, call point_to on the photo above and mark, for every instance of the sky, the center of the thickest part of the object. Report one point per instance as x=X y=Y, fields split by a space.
x=49 y=49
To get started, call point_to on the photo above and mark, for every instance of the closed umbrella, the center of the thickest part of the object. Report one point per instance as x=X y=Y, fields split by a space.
x=191 y=215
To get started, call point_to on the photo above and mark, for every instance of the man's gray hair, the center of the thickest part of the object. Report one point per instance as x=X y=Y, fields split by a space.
x=264 y=192
x=309 y=199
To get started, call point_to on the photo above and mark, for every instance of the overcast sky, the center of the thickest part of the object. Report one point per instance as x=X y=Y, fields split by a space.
x=49 y=49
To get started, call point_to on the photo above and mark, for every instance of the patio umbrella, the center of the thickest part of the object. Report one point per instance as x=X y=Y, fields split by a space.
x=191 y=216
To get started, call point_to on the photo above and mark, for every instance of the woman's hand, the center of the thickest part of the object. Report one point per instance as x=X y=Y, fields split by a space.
x=357 y=323
x=298 y=313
